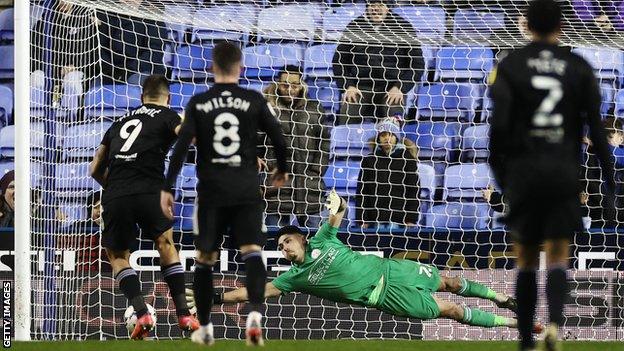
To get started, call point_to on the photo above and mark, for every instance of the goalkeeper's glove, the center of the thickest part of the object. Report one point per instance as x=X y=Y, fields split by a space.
x=335 y=203
x=217 y=298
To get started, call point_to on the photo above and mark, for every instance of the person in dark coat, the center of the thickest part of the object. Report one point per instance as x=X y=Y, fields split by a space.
x=7 y=205
x=131 y=47
x=376 y=63
x=308 y=140
x=388 y=184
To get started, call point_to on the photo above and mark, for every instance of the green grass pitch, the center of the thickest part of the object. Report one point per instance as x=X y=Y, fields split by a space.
x=314 y=345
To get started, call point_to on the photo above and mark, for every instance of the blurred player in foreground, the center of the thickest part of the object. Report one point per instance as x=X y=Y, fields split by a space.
x=327 y=268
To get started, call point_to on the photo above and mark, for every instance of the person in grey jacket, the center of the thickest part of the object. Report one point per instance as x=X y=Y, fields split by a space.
x=308 y=141
x=376 y=63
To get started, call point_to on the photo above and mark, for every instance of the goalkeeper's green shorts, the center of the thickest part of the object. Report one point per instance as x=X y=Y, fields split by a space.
x=409 y=288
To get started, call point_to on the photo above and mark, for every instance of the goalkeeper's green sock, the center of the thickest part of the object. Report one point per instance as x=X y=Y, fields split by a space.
x=476 y=317
x=474 y=289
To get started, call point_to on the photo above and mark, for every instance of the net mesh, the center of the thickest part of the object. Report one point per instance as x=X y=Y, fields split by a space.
x=428 y=203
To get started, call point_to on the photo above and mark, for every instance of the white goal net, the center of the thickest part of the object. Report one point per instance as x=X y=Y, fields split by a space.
x=416 y=69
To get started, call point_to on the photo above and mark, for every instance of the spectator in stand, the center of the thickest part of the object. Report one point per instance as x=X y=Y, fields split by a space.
x=604 y=214
x=131 y=48
x=388 y=188
x=308 y=140
x=7 y=205
x=604 y=14
x=72 y=48
x=376 y=64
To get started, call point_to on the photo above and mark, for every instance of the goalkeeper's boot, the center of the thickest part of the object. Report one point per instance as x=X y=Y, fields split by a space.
x=204 y=335
x=253 y=333
x=142 y=327
x=510 y=304
x=551 y=339
x=188 y=323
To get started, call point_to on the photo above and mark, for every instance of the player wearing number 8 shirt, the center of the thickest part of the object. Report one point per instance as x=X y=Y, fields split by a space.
x=224 y=122
x=543 y=96
x=130 y=165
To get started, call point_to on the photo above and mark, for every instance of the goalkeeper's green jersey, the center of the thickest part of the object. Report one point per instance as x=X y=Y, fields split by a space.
x=331 y=270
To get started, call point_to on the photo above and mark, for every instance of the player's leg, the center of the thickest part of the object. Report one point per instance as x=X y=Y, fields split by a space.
x=526 y=291
x=469 y=288
x=246 y=226
x=158 y=227
x=472 y=316
x=118 y=234
x=209 y=226
x=556 y=287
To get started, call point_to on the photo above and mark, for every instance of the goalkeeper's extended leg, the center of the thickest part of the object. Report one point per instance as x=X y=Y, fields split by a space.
x=173 y=274
x=477 y=317
x=255 y=282
x=130 y=285
x=204 y=290
x=469 y=288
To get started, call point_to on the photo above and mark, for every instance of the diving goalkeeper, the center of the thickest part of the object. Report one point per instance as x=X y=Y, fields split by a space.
x=327 y=268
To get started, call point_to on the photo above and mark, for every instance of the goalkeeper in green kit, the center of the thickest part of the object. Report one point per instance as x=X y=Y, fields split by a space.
x=327 y=268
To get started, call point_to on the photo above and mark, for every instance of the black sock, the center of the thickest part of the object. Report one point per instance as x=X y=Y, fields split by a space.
x=203 y=291
x=173 y=275
x=255 y=279
x=556 y=293
x=526 y=294
x=129 y=284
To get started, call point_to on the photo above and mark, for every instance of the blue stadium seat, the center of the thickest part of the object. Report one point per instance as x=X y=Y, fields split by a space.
x=181 y=14
x=607 y=91
x=192 y=62
x=325 y=92
x=467 y=216
x=608 y=63
x=6 y=166
x=6 y=105
x=428 y=22
x=73 y=180
x=263 y=62
x=447 y=101
x=487 y=106
x=318 y=61
x=7 y=65
x=619 y=104
x=181 y=93
x=81 y=141
x=187 y=183
x=342 y=176
x=466 y=181
x=335 y=20
x=475 y=143
x=111 y=100
x=37 y=102
x=37 y=138
x=477 y=25
x=253 y=85
x=435 y=140
x=72 y=96
x=427 y=183
x=231 y=22
x=6 y=25
x=183 y=214
x=288 y=22
x=351 y=139
x=458 y=63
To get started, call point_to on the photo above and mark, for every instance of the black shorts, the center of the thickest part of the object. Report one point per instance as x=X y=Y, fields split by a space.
x=243 y=222
x=121 y=216
x=544 y=204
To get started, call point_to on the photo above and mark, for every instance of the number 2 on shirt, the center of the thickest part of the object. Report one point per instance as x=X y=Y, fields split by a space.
x=543 y=116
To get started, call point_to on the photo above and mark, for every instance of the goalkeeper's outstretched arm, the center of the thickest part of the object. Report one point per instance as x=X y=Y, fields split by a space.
x=235 y=296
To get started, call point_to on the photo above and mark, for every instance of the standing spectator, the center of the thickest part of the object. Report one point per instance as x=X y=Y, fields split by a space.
x=302 y=124
x=376 y=64
x=70 y=45
x=387 y=190
x=7 y=207
x=131 y=48
x=603 y=14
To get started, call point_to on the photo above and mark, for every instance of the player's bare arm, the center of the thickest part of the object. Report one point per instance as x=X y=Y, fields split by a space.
x=97 y=167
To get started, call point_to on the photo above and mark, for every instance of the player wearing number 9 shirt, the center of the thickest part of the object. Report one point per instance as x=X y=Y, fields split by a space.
x=224 y=122
x=543 y=96
x=130 y=165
